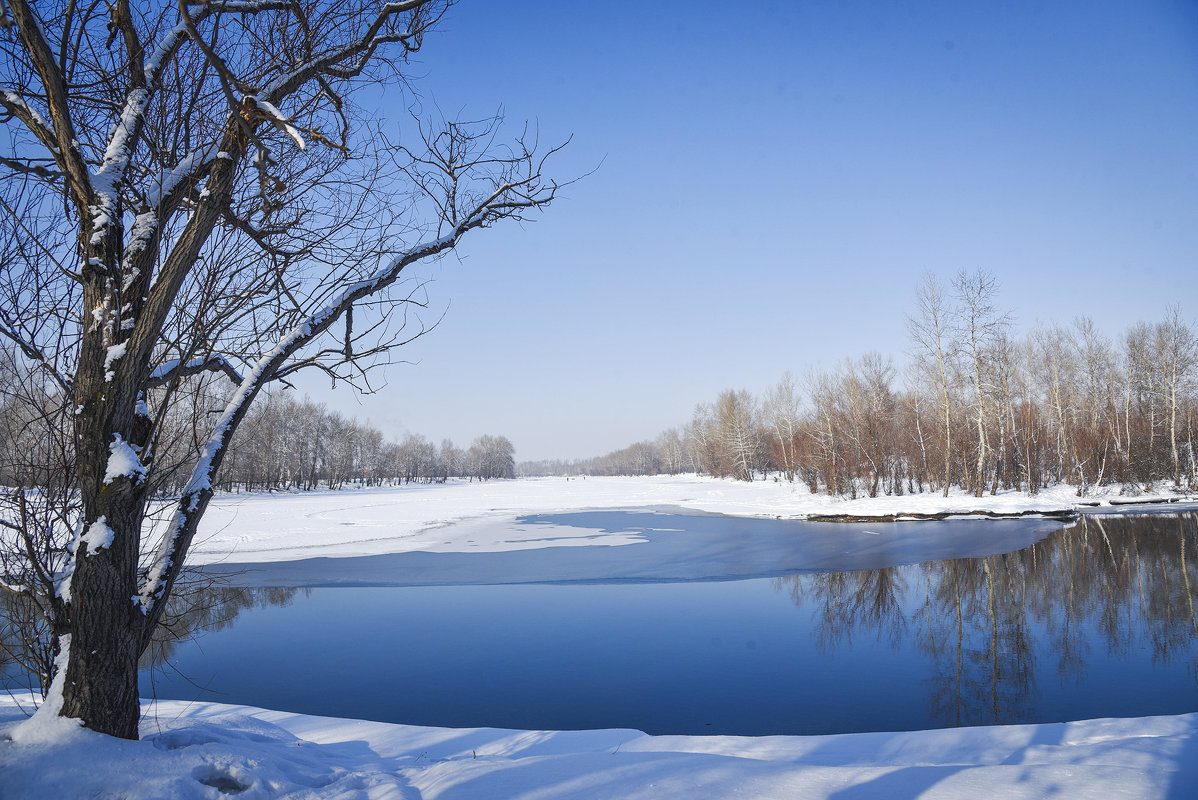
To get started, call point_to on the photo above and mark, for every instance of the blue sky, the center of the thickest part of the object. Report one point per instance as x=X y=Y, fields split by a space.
x=772 y=180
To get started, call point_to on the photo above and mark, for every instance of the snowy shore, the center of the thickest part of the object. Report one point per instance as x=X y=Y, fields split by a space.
x=422 y=517
x=200 y=750
x=193 y=751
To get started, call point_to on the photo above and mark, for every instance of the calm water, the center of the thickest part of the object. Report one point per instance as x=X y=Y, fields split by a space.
x=1091 y=621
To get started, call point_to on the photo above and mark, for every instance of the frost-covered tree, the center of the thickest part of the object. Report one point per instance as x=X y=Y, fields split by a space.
x=187 y=192
x=738 y=433
x=491 y=457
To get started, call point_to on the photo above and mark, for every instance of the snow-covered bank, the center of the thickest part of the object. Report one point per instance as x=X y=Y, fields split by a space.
x=211 y=751
x=422 y=517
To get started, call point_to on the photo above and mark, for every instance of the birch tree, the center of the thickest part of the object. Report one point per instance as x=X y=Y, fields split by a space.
x=1101 y=380
x=822 y=389
x=782 y=414
x=935 y=352
x=1056 y=369
x=737 y=432
x=1177 y=356
x=188 y=189
x=979 y=324
x=1140 y=401
x=672 y=451
x=700 y=438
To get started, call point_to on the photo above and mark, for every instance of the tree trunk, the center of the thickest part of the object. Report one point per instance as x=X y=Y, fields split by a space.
x=106 y=623
x=104 y=620
x=1173 y=431
x=981 y=466
x=948 y=439
x=101 y=680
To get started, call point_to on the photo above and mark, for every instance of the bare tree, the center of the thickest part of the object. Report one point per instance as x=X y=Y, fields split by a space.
x=700 y=438
x=931 y=331
x=1057 y=373
x=671 y=450
x=781 y=412
x=491 y=457
x=825 y=431
x=980 y=324
x=1141 y=400
x=1003 y=372
x=38 y=509
x=188 y=190
x=1059 y=406
x=869 y=415
x=737 y=433
x=450 y=461
x=1177 y=356
x=1099 y=415
x=913 y=402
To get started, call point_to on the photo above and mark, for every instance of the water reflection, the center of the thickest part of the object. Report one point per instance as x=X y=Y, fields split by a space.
x=200 y=605
x=1119 y=583
x=206 y=608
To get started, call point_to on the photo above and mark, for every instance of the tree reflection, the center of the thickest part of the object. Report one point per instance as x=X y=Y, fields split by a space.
x=200 y=605
x=1117 y=583
x=205 y=607
x=866 y=600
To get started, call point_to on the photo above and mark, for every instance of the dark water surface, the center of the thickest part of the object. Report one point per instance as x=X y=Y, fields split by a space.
x=1094 y=620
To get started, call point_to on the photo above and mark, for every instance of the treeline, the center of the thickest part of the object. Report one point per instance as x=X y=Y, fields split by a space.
x=974 y=408
x=298 y=444
x=285 y=443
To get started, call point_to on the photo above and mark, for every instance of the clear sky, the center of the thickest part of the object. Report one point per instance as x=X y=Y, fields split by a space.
x=772 y=180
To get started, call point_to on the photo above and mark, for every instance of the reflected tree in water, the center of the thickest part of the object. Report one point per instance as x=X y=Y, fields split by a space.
x=208 y=608
x=1113 y=583
x=199 y=606
x=868 y=601
x=974 y=631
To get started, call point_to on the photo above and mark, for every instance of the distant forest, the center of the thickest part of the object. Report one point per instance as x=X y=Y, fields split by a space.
x=973 y=408
x=284 y=443
x=288 y=443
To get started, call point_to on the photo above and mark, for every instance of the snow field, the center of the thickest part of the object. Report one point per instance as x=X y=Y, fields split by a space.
x=206 y=750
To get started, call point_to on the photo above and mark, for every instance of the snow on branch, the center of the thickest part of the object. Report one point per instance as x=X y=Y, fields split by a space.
x=15 y=106
x=121 y=142
x=263 y=107
x=176 y=368
x=169 y=180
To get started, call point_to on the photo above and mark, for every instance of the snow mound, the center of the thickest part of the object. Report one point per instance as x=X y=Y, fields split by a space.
x=207 y=750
